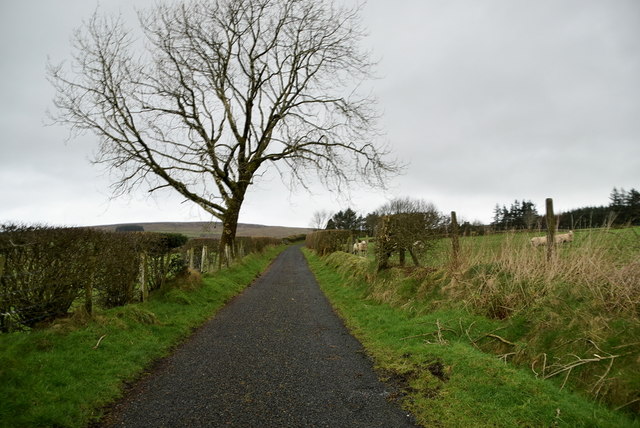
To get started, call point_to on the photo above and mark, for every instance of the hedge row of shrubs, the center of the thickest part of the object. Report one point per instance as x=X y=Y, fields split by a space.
x=327 y=241
x=243 y=246
x=44 y=270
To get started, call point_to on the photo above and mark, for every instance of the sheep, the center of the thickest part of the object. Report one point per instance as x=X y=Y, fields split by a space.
x=360 y=248
x=558 y=239
x=565 y=237
x=538 y=240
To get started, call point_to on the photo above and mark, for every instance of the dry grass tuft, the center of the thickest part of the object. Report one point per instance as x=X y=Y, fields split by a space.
x=598 y=267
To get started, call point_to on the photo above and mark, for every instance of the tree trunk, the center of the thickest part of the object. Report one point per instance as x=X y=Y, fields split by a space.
x=227 y=247
x=228 y=238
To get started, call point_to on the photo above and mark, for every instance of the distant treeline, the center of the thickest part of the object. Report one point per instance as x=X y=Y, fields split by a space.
x=623 y=210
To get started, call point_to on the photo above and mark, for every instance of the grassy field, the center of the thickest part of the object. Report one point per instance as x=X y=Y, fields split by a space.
x=572 y=323
x=61 y=376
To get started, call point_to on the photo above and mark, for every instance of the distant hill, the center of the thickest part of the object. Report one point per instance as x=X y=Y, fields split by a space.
x=202 y=229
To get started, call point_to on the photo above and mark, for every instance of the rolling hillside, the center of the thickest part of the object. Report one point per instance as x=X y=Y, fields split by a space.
x=212 y=229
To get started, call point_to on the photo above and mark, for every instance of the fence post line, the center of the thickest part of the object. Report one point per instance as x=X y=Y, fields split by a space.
x=143 y=276
x=455 y=241
x=551 y=229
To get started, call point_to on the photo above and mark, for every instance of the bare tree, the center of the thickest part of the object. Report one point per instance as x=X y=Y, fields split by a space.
x=319 y=219
x=221 y=90
x=409 y=225
x=407 y=205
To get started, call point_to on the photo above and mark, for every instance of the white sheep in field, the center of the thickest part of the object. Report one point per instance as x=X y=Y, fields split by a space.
x=538 y=240
x=360 y=248
x=558 y=239
x=565 y=237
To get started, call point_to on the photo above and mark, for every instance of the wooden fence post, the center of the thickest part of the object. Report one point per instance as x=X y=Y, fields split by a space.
x=191 y=258
x=383 y=250
x=203 y=260
x=88 y=287
x=551 y=229
x=455 y=241
x=143 y=276
x=215 y=258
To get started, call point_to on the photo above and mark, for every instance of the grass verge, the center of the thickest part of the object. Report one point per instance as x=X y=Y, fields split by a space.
x=63 y=375
x=574 y=319
x=447 y=380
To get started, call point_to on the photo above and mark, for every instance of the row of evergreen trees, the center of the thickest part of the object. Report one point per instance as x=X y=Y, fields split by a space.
x=350 y=220
x=624 y=209
x=520 y=215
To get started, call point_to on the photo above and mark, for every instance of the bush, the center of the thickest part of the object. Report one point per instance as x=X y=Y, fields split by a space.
x=44 y=270
x=243 y=245
x=116 y=268
x=327 y=241
x=42 y=276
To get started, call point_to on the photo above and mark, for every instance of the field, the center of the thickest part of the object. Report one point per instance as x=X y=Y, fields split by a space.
x=573 y=321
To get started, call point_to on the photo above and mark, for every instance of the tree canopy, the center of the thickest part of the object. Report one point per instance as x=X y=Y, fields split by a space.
x=520 y=215
x=346 y=220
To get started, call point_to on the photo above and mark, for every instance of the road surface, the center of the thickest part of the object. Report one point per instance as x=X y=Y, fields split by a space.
x=276 y=356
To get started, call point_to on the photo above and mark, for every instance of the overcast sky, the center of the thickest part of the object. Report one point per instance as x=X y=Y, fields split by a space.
x=487 y=102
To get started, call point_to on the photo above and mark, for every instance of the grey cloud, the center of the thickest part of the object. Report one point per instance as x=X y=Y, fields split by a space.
x=489 y=101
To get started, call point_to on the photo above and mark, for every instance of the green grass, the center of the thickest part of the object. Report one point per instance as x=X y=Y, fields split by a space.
x=584 y=302
x=430 y=353
x=61 y=377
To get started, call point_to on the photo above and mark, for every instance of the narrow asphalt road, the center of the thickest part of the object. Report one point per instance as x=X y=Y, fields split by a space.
x=275 y=356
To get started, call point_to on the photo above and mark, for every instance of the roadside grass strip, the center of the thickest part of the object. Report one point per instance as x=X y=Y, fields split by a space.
x=444 y=380
x=63 y=375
